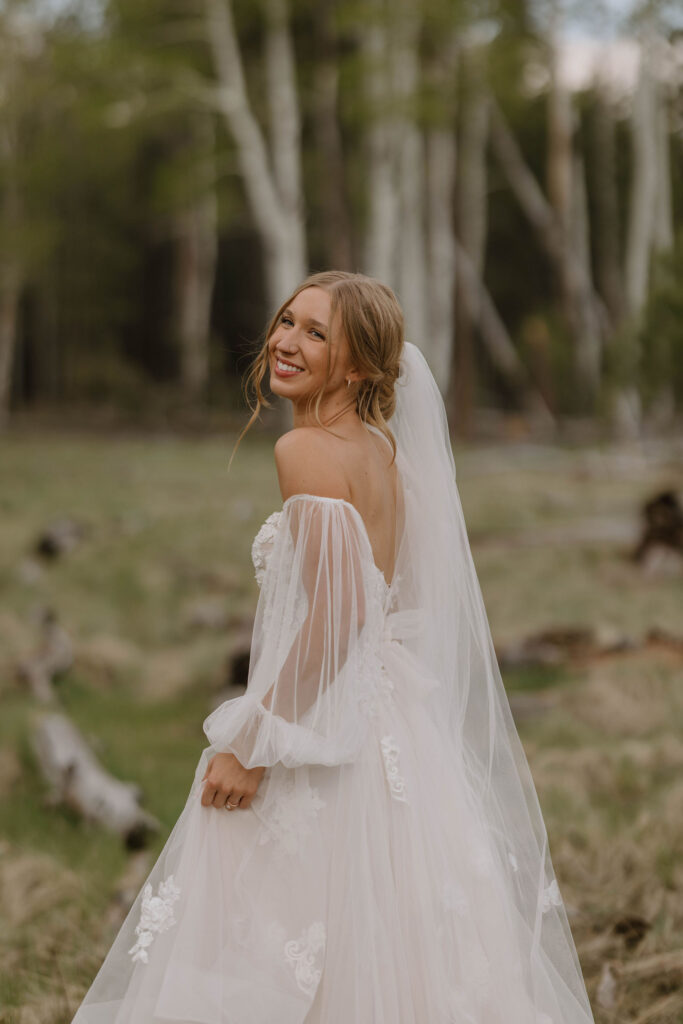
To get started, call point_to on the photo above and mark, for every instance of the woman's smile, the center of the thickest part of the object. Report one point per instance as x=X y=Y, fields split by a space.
x=286 y=369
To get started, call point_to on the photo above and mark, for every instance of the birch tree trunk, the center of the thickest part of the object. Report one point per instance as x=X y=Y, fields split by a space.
x=383 y=196
x=412 y=246
x=442 y=250
x=272 y=178
x=441 y=150
x=663 y=235
x=589 y=318
x=197 y=250
x=588 y=341
x=607 y=247
x=643 y=200
x=410 y=242
x=663 y=406
x=472 y=217
x=337 y=235
x=560 y=133
x=567 y=198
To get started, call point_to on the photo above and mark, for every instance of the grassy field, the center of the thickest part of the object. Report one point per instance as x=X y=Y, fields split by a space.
x=167 y=527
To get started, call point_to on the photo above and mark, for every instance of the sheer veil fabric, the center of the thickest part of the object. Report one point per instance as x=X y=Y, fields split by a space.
x=393 y=867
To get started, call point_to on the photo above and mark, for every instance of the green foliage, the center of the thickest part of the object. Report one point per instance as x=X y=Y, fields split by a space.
x=661 y=332
x=115 y=132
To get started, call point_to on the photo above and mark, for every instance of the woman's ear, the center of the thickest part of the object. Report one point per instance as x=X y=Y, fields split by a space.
x=354 y=375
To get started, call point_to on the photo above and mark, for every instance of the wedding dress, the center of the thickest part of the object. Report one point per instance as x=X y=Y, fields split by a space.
x=393 y=867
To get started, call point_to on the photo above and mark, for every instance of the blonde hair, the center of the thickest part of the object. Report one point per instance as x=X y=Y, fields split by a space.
x=372 y=321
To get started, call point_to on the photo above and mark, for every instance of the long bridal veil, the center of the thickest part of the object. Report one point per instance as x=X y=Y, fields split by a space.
x=434 y=570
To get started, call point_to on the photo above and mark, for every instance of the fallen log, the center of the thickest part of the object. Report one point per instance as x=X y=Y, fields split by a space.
x=53 y=658
x=76 y=779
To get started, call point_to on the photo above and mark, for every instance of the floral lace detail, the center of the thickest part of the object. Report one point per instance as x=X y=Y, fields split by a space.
x=379 y=689
x=156 y=915
x=551 y=897
x=390 y=752
x=263 y=545
x=295 y=808
x=305 y=956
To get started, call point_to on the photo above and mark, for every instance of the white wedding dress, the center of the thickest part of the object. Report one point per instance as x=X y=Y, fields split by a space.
x=389 y=869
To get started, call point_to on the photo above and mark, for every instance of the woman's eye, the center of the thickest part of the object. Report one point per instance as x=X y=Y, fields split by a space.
x=317 y=334
x=285 y=319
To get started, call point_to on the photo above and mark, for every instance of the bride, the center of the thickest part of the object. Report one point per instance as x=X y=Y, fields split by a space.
x=383 y=858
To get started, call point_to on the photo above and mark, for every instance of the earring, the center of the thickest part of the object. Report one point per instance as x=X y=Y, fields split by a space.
x=347 y=382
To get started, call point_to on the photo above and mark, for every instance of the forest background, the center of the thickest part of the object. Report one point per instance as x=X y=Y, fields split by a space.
x=168 y=171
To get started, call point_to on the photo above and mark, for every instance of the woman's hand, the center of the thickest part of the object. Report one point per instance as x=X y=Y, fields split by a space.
x=228 y=784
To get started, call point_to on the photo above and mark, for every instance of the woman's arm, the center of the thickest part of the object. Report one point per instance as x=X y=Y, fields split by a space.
x=305 y=671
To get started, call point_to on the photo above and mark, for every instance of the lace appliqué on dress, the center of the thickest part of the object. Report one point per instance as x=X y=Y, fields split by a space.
x=378 y=689
x=390 y=752
x=263 y=545
x=305 y=954
x=261 y=551
x=156 y=915
x=551 y=897
x=296 y=806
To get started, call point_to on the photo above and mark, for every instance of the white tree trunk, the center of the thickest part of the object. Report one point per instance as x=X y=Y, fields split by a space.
x=411 y=249
x=336 y=220
x=273 y=195
x=472 y=183
x=383 y=195
x=663 y=238
x=643 y=201
x=588 y=341
x=285 y=133
x=560 y=133
x=607 y=241
x=589 y=316
x=441 y=151
x=197 y=251
x=567 y=195
x=441 y=164
x=410 y=242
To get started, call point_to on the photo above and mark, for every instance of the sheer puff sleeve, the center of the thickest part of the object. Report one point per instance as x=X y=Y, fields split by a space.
x=314 y=619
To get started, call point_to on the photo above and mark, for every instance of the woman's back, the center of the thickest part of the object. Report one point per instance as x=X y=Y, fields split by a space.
x=365 y=460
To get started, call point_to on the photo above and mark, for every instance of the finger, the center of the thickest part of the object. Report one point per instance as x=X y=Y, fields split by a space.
x=245 y=802
x=208 y=795
x=220 y=799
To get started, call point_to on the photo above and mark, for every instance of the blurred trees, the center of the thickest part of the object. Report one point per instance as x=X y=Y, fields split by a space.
x=168 y=171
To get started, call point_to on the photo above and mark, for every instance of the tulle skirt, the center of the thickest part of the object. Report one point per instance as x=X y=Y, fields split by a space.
x=362 y=893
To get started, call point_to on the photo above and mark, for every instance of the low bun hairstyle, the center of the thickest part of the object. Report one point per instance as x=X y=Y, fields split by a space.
x=372 y=321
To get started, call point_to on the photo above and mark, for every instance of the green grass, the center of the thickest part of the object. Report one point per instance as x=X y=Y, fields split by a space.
x=167 y=526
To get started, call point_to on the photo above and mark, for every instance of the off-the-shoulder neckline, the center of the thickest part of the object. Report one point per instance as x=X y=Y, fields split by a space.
x=321 y=497
x=349 y=504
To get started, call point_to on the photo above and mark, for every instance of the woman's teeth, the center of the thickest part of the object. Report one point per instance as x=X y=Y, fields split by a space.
x=288 y=368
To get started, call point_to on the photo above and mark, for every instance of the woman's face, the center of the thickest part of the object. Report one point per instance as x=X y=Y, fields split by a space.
x=300 y=340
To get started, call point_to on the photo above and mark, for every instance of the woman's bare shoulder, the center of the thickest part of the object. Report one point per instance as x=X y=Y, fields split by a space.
x=307 y=463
